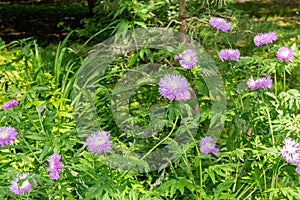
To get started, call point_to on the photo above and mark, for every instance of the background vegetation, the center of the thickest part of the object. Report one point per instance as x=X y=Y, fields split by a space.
x=43 y=46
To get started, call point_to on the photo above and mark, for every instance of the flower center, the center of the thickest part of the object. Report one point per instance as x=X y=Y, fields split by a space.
x=25 y=184
x=231 y=51
x=292 y=150
x=4 y=134
x=285 y=53
x=187 y=58
x=99 y=141
x=173 y=85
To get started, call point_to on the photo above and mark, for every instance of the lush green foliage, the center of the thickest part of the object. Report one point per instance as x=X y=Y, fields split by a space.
x=248 y=166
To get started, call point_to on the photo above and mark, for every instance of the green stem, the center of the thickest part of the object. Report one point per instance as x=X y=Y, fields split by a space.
x=271 y=127
x=200 y=163
x=152 y=149
x=275 y=82
x=284 y=79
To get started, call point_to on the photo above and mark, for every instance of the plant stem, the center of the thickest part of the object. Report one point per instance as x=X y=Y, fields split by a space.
x=284 y=80
x=152 y=149
x=271 y=128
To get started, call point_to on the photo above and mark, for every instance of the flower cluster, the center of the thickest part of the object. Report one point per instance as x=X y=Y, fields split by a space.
x=55 y=166
x=290 y=152
x=208 y=145
x=8 y=135
x=285 y=53
x=9 y=104
x=187 y=59
x=261 y=83
x=264 y=38
x=219 y=23
x=22 y=184
x=99 y=142
x=174 y=87
x=229 y=54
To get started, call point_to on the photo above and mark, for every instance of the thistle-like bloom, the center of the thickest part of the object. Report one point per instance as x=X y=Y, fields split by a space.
x=174 y=87
x=229 y=54
x=187 y=59
x=55 y=166
x=22 y=184
x=9 y=104
x=261 y=83
x=219 y=23
x=290 y=152
x=264 y=38
x=251 y=84
x=8 y=135
x=99 y=142
x=208 y=145
x=285 y=53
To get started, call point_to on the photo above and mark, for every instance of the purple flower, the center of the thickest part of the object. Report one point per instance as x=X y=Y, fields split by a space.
x=9 y=104
x=8 y=135
x=99 y=142
x=229 y=54
x=174 y=87
x=219 y=23
x=22 y=184
x=251 y=83
x=55 y=166
x=291 y=151
x=261 y=83
x=284 y=53
x=187 y=59
x=264 y=38
x=208 y=145
x=298 y=168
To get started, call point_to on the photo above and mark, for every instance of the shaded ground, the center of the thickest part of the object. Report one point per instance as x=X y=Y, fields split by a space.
x=48 y=22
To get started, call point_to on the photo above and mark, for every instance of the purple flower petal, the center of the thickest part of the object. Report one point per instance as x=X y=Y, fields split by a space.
x=22 y=184
x=229 y=54
x=285 y=53
x=9 y=104
x=219 y=23
x=99 y=142
x=208 y=145
x=187 y=59
x=55 y=166
x=8 y=135
x=291 y=151
x=174 y=87
x=264 y=38
x=261 y=83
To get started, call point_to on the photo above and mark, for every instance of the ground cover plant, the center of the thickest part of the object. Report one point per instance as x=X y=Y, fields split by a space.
x=149 y=113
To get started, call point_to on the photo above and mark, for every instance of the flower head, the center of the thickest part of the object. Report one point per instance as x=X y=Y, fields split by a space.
x=187 y=59
x=219 y=23
x=55 y=166
x=9 y=104
x=285 y=53
x=229 y=54
x=22 y=184
x=264 y=38
x=174 y=87
x=8 y=135
x=208 y=145
x=290 y=152
x=251 y=83
x=99 y=142
x=261 y=83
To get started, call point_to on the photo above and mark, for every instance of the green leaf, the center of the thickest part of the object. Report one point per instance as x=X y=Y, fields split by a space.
x=36 y=137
